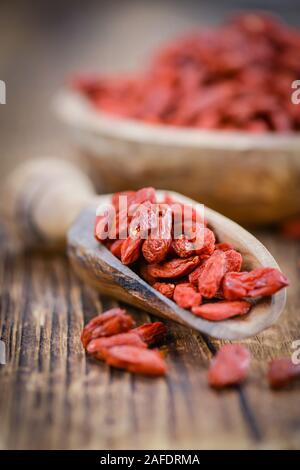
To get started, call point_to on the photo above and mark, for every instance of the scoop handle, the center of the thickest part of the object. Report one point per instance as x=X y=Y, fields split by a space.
x=42 y=197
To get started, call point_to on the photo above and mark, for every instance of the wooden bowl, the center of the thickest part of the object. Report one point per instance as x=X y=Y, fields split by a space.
x=253 y=179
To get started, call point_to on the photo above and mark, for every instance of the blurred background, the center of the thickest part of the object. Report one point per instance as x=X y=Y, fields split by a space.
x=43 y=42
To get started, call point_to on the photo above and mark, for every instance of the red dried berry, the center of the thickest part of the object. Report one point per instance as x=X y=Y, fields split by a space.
x=222 y=310
x=136 y=360
x=151 y=333
x=173 y=268
x=165 y=288
x=282 y=372
x=99 y=347
x=229 y=366
x=186 y=295
x=109 y=323
x=211 y=275
x=257 y=283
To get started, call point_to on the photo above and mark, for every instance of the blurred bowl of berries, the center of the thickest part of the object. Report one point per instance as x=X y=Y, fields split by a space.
x=215 y=115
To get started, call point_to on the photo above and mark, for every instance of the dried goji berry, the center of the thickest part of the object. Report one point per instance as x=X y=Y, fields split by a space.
x=155 y=250
x=186 y=295
x=234 y=261
x=222 y=310
x=256 y=283
x=229 y=366
x=194 y=275
x=174 y=268
x=282 y=371
x=165 y=288
x=109 y=323
x=116 y=248
x=98 y=347
x=130 y=250
x=201 y=243
x=136 y=360
x=211 y=275
x=151 y=333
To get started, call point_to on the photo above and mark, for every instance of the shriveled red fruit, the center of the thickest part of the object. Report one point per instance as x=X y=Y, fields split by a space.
x=151 y=333
x=98 y=347
x=165 y=288
x=156 y=250
x=257 y=283
x=174 y=268
x=212 y=274
x=204 y=244
x=222 y=310
x=282 y=372
x=137 y=360
x=130 y=250
x=116 y=248
x=194 y=275
x=109 y=323
x=224 y=246
x=234 y=261
x=186 y=295
x=229 y=366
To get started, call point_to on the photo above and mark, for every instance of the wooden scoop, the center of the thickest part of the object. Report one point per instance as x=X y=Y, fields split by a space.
x=44 y=197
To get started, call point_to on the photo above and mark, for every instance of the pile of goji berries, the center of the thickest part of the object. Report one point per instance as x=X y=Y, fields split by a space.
x=235 y=77
x=113 y=338
x=170 y=245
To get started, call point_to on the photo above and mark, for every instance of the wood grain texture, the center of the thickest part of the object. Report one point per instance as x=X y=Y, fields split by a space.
x=52 y=396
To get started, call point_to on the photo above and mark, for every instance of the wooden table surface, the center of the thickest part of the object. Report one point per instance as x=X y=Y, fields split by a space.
x=51 y=395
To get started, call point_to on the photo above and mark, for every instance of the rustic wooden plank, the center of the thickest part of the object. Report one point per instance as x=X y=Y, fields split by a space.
x=52 y=396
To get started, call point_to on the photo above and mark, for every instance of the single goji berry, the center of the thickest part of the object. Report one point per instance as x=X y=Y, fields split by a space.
x=155 y=250
x=222 y=310
x=151 y=333
x=108 y=323
x=186 y=295
x=116 y=248
x=256 y=283
x=130 y=250
x=229 y=366
x=234 y=261
x=210 y=277
x=165 y=288
x=282 y=371
x=136 y=360
x=202 y=242
x=174 y=268
x=98 y=347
